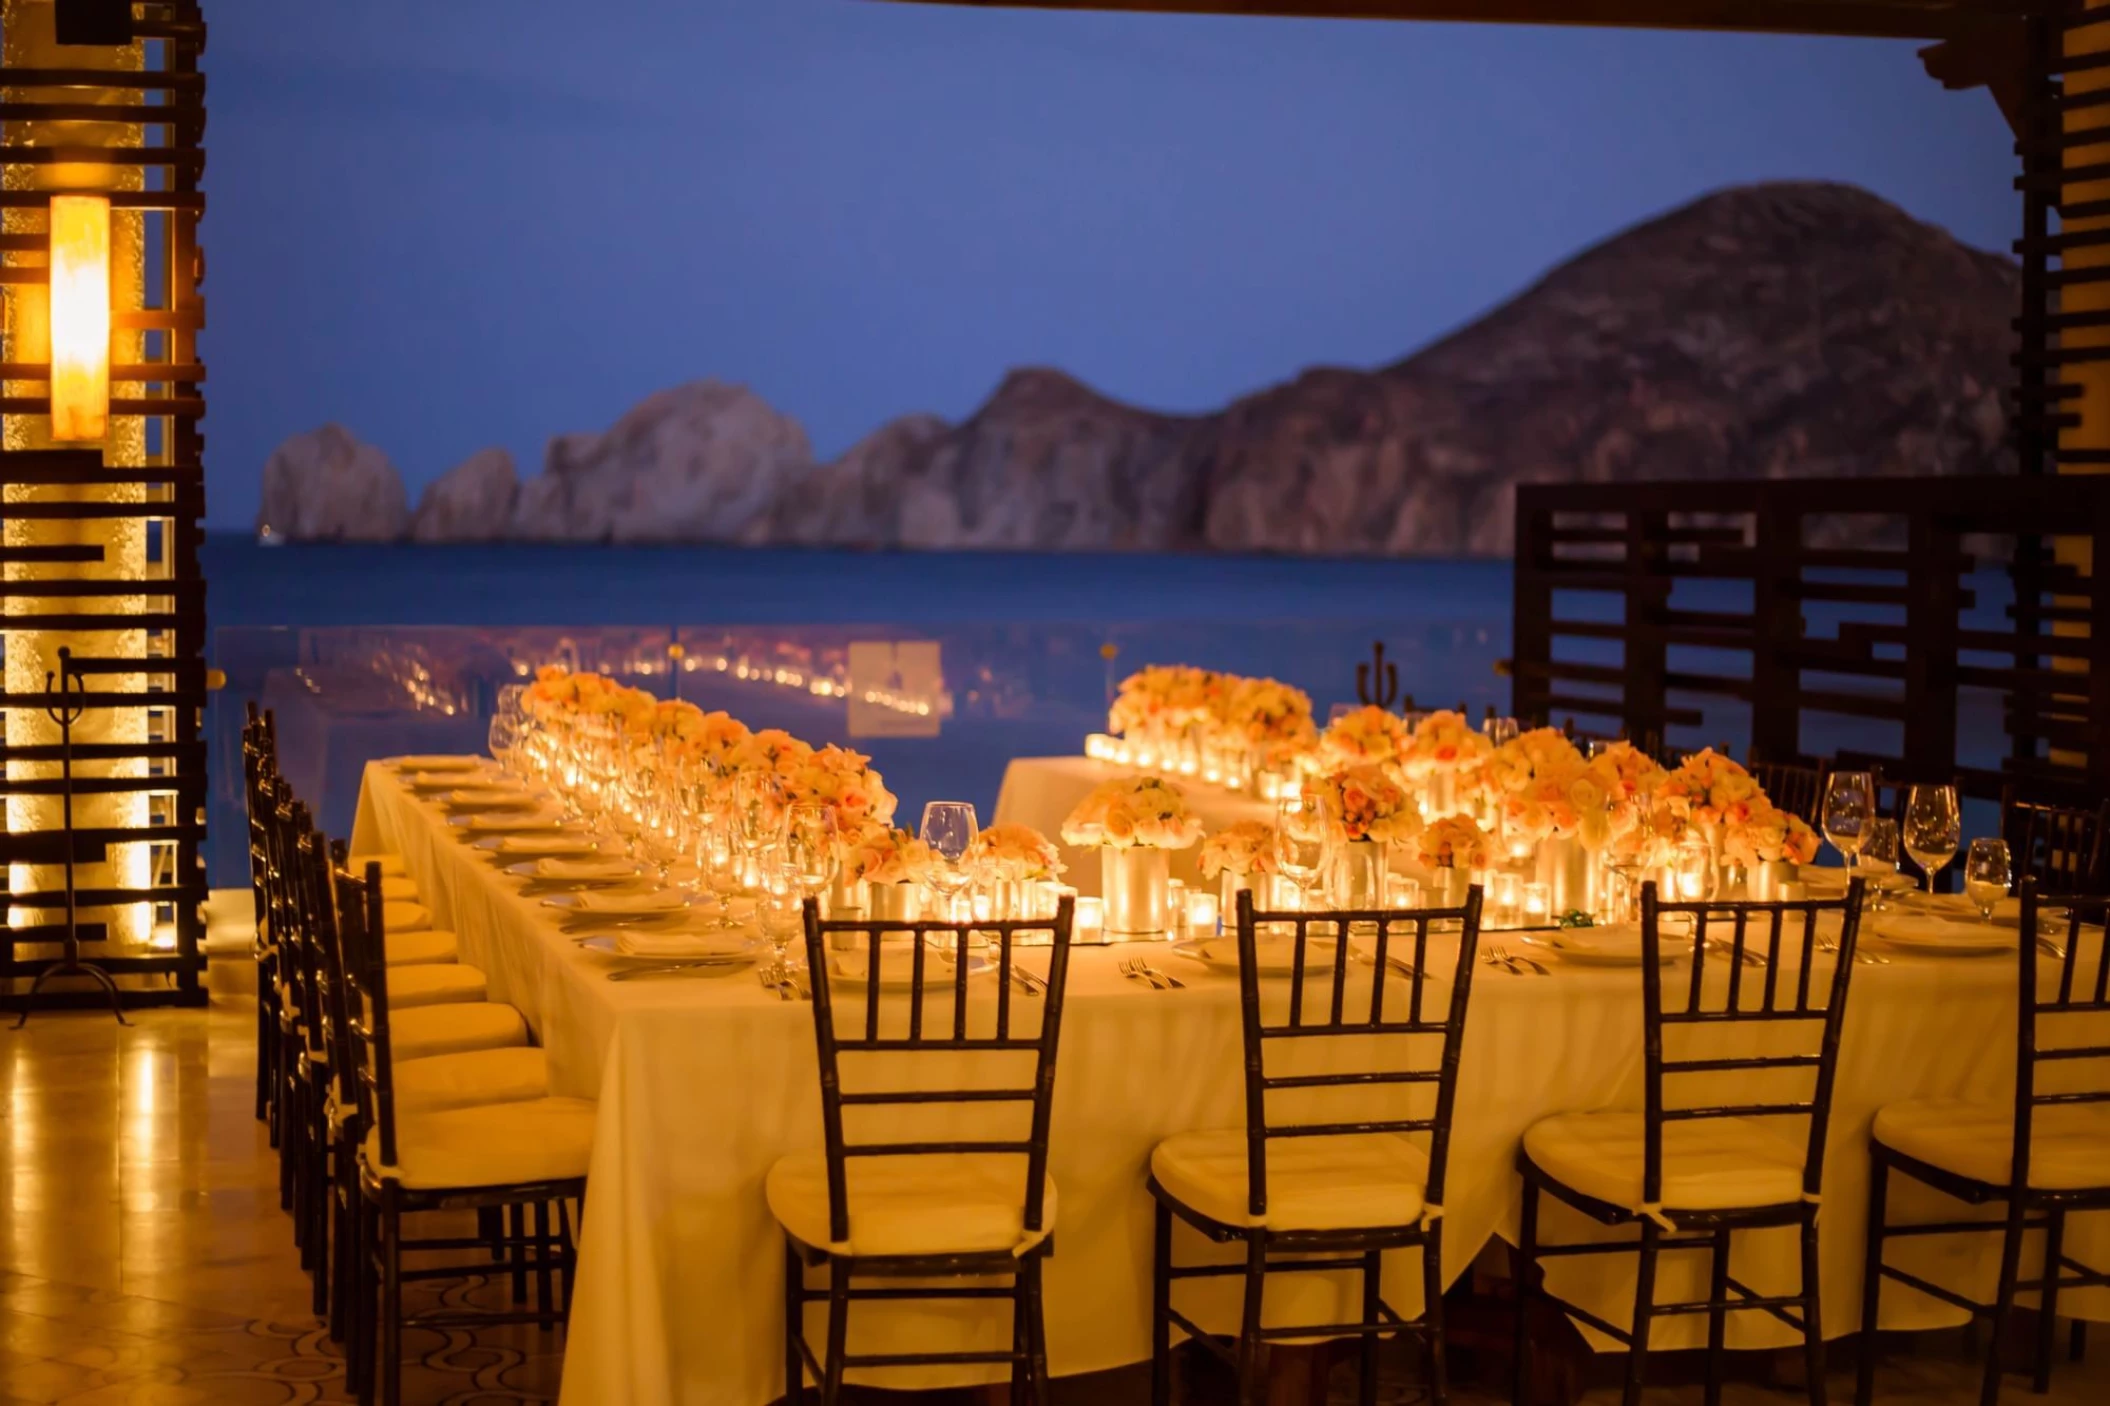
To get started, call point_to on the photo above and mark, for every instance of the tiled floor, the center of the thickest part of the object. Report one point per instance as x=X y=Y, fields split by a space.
x=144 y=1260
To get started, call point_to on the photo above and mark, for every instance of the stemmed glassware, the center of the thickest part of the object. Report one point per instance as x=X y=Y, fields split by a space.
x=504 y=739
x=1987 y=872
x=809 y=844
x=949 y=829
x=1849 y=804
x=1879 y=859
x=1932 y=828
x=1300 y=841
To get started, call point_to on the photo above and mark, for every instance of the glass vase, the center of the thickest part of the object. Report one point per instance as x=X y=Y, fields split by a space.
x=1136 y=883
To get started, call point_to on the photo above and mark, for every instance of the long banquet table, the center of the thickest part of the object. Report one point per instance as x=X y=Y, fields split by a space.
x=704 y=1082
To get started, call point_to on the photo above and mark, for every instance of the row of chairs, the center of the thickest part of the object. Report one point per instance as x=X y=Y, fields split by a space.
x=394 y=1088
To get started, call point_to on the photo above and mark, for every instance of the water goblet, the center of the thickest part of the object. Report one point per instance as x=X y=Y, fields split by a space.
x=1878 y=859
x=1849 y=804
x=1987 y=871
x=948 y=829
x=1300 y=841
x=1932 y=828
x=809 y=839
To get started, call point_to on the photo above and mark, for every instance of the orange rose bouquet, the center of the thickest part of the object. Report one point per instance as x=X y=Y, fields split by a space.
x=1444 y=741
x=1032 y=852
x=1453 y=842
x=1370 y=734
x=1133 y=812
x=1245 y=848
x=1365 y=803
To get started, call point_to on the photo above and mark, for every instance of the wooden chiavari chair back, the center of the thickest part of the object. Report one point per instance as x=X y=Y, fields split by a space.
x=2064 y=1026
x=360 y=933
x=1397 y=1030
x=2061 y=847
x=1791 y=786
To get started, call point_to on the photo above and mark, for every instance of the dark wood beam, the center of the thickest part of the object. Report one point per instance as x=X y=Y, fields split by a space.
x=1884 y=19
x=1992 y=55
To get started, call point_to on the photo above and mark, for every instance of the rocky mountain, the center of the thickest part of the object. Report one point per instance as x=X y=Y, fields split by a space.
x=328 y=485
x=1770 y=330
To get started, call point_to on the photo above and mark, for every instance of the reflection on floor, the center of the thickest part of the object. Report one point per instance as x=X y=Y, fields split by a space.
x=144 y=1259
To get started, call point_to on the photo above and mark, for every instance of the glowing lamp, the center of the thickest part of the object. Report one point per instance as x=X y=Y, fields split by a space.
x=80 y=316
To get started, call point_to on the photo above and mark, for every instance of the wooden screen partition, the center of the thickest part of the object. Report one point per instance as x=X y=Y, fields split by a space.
x=1885 y=601
x=102 y=525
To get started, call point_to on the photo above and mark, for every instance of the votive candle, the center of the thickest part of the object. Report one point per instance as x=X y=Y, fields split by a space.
x=1506 y=892
x=1538 y=901
x=1201 y=913
x=1090 y=919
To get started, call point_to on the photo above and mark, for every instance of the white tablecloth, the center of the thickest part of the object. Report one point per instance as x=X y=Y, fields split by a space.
x=703 y=1083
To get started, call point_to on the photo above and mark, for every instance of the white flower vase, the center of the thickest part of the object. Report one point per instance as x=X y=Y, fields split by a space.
x=845 y=898
x=1448 y=885
x=1442 y=793
x=1135 y=882
x=893 y=903
x=1564 y=867
x=1359 y=875
x=1227 y=896
x=1770 y=881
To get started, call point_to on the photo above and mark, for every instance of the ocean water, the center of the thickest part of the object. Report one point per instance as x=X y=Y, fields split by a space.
x=365 y=651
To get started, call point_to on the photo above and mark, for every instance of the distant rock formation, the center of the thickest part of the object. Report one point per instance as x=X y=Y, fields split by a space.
x=329 y=486
x=1789 y=329
x=471 y=502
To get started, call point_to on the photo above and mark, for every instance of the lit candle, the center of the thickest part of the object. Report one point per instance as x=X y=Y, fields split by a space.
x=1505 y=891
x=1099 y=747
x=1090 y=922
x=1201 y=913
x=1538 y=902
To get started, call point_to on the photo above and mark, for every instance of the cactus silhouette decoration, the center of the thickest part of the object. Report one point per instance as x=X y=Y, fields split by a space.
x=1377 y=682
x=66 y=712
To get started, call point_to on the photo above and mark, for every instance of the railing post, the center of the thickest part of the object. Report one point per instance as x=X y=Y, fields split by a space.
x=1531 y=612
x=1645 y=656
x=1776 y=629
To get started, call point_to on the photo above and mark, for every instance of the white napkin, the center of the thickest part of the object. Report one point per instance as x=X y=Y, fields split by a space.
x=654 y=901
x=484 y=795
x=683 y=944
x=514 y=820
x=544 y=844
x=437 y=762
x=584 y=869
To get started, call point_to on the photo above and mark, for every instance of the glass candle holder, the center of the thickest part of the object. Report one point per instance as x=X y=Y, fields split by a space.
x=1538 y=903
x=1099 y=746
x=1504 y=893
x=1202 y=914
x=1089 y=921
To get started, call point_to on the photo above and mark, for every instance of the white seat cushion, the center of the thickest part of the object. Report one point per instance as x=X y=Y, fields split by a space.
x=941 y=1204
x=418 y=949
x=1709 y=1164
x=499 y=1144
x=2069 y=1143
x=441 y=984
x=1366 y=1181
x=399 y=887
x=390 y=864
x=398 y=916
x=510 y=1075
x=422 y=1032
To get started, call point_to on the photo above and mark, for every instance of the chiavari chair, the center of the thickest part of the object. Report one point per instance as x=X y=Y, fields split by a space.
x=1313 y=1182
x=920 y=1213
x=526 y=1155
x=2062 y=847
x=1692 y=1167
x=1791 y=786
x=2044 y=1153
x=259 y=758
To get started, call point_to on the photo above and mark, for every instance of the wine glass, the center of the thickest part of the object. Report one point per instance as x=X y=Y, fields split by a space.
x=722 y=859
x=1879 y=858
x=1501 y=730
x=779 y=906
x=756 y=809
x=949 y=829
x=1300 y=840
x=1849 y=804
x=809 y=841
x=1986 y=875
x=504 y=737
x=1932 y=828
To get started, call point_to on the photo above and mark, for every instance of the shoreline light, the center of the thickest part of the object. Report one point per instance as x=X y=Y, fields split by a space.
x=80 y=317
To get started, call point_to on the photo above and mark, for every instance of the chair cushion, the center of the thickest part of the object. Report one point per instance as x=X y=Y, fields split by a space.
x=395 y=887
x=441 y=984
x=1365 y=1181
x=423 y=1032
x=390 y=864
x=418 y=949
x=1709 y=1164
x=398 y=916
x=513 y=1074
x=2069 y=1143
x=941 y=1204
x=499 y=1144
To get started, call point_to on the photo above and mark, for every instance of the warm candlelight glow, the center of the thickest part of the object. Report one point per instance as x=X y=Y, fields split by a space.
x=1201 y=913
x=1505 y=891
x=80 y=316
x=1538 y=901
x=1089 y=919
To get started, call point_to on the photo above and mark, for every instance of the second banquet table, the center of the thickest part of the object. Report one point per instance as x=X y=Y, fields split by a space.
x=703 y=1083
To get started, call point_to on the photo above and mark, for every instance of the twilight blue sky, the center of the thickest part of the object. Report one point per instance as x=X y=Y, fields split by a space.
x=453 y=223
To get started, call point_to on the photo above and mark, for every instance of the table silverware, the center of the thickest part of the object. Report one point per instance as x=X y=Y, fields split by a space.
x=663 y=968
x=2050 y=948
x=1491 y=958
x=772 y=977
x=1027 y=982
x=1503 y=954
x=1137 y=969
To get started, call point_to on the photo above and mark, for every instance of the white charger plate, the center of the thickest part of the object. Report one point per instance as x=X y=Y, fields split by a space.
x=897 y=969
x=622 y=871
x=609 y=945
x=1587 y=947
x=509 y=821
x=568 y=842
x=615 y=903
x=1946 y=937
x=1277 y=958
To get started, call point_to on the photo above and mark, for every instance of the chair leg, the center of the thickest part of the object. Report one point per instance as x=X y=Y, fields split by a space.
x=491 y=1229
x=2004 y=1305
x=1717 y=1314
x=1432 y=1312
x=264 y=1024
x=568 y=1264
x=1812 y=1312
x=1036 y=1330
x=1251 y=1386
x=838 y=1332
x=390 y=1367
x=1644 y=1309
x=1872 y=1277
x=1161 y=1308
x=545 y=1303
x=794 y=1325
x=316 y=1203
x=1366 y=1385
x=516 y=1249
x=2048 y=1298
x=2077 y=1343
x=1525 y=1265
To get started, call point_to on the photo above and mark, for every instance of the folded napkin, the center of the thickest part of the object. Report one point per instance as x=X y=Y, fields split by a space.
x=632 y=901
x=683 y=944
x=584 y=869
x=485 y=795
x=513 y=820
x=545 y=844
x=437 y=762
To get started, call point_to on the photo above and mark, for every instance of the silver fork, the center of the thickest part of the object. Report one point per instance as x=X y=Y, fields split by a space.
x=1136 y=969
x=773 y=979
x=2050 y=948
x=1503 y=954
x=1750 y=958
x=1491 y=957
x=1027 y=982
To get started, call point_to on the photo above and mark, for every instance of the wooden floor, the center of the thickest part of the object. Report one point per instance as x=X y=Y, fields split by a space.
x=144 y=1259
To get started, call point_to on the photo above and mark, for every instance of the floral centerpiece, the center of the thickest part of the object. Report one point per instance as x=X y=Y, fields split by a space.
x=1451 y=847
x=1163 y=701
x=1770 y=836
x=1240 y=856
x=1268 y=717
x=1367 y=811
x=713 y=740
x=1444 y=741
x=838 y=777
x=890 y=862
x=1541 y=788
x=1033 y=854
x=1136 y=821
x=1369 y=734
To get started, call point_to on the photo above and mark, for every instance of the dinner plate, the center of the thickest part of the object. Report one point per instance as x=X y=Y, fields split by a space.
x=509 y=820
x=553 y=870
x=628 y=947
x=897 y=969
x=1277 y=957
x=625 y=903
x=564 y=842
x=1950 y=937
x=486 y=797
x=1611 y=945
